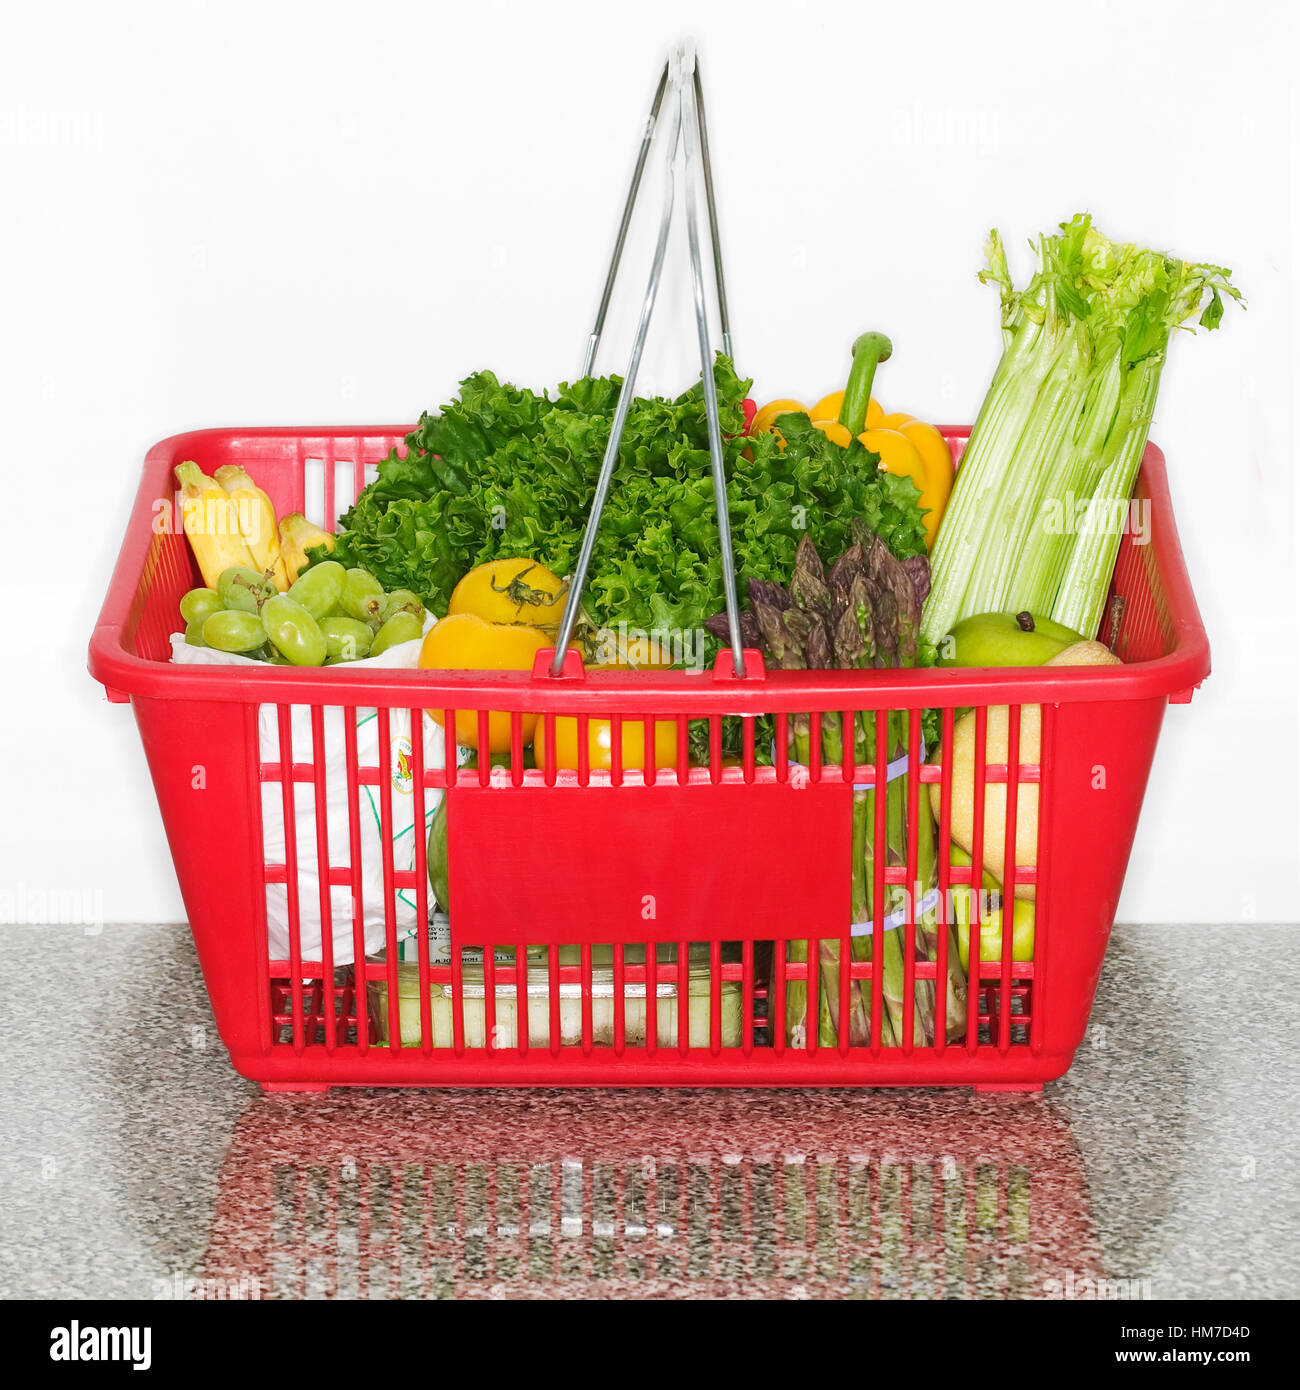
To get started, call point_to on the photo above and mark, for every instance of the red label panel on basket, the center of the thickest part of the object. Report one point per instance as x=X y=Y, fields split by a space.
x=664 y=863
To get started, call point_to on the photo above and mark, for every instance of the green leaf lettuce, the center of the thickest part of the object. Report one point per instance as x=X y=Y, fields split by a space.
x=502 y=472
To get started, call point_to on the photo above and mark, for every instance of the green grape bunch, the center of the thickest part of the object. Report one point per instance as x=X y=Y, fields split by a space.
x=329 y=616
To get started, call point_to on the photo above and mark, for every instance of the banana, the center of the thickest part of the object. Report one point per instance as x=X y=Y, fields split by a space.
x=257 y=521
x=211 y=520
x=297 y=535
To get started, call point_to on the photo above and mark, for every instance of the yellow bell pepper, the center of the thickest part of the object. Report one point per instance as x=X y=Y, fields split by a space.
x=834 y=431
x=766 y=416
x=824 y=414
x=907 y=448
x=938 y=468
x=829 y=407
x=898 y=454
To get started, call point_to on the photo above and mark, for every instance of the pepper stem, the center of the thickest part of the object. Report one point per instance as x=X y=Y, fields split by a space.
x=868 y=352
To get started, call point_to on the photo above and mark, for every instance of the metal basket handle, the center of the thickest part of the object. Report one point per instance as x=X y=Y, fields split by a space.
x=680 y=85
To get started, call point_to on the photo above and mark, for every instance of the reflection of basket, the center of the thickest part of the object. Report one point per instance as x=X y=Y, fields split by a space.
x=735 y=857
x=651 y=1194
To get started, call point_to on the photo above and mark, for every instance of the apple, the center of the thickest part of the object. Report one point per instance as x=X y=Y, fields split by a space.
x=1005 y=639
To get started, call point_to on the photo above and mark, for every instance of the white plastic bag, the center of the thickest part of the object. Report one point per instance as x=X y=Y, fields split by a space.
x=369 y=810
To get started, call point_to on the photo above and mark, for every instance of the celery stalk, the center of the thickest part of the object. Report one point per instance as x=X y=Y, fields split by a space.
x=1081 y=592
x=1063 y=425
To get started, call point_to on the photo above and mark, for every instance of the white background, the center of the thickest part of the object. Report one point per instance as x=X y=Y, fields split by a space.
x=255 y=213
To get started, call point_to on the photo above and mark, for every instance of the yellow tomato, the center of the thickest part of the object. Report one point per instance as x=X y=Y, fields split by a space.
x=767 y=414
x=464 y=642
x=600 y=743
x=511 y=591
x=633 y=653
x=834 y=431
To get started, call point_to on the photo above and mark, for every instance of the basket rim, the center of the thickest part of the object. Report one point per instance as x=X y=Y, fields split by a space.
x=673 y=693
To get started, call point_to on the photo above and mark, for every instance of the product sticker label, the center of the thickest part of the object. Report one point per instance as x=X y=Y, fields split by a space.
x=401 y=764
x=408 y=948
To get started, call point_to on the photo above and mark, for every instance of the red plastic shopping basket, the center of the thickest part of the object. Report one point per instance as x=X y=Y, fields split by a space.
x=638 y=894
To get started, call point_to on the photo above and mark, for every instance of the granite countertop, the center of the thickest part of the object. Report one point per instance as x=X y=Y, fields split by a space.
x=138 y=1164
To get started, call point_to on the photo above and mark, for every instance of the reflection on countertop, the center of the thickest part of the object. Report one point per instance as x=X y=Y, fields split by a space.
x=651 y=1194
x=140 y=1165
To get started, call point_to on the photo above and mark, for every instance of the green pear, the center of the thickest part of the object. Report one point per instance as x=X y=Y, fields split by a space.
x=997 y=748
x=1085 y=654
x=1022 y=917
x=1022 y=929
x=960 y=855
x=1004 y=639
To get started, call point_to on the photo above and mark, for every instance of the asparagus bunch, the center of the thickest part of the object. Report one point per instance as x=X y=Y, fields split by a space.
x=904 y=586
x=795 y=639
x=863 y=613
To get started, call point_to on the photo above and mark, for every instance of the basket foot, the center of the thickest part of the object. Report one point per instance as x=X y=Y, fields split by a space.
x=279 y=1087
x=1004 y=1087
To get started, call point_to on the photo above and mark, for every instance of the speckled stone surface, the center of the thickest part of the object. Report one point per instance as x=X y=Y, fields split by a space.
x=136 y=1163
